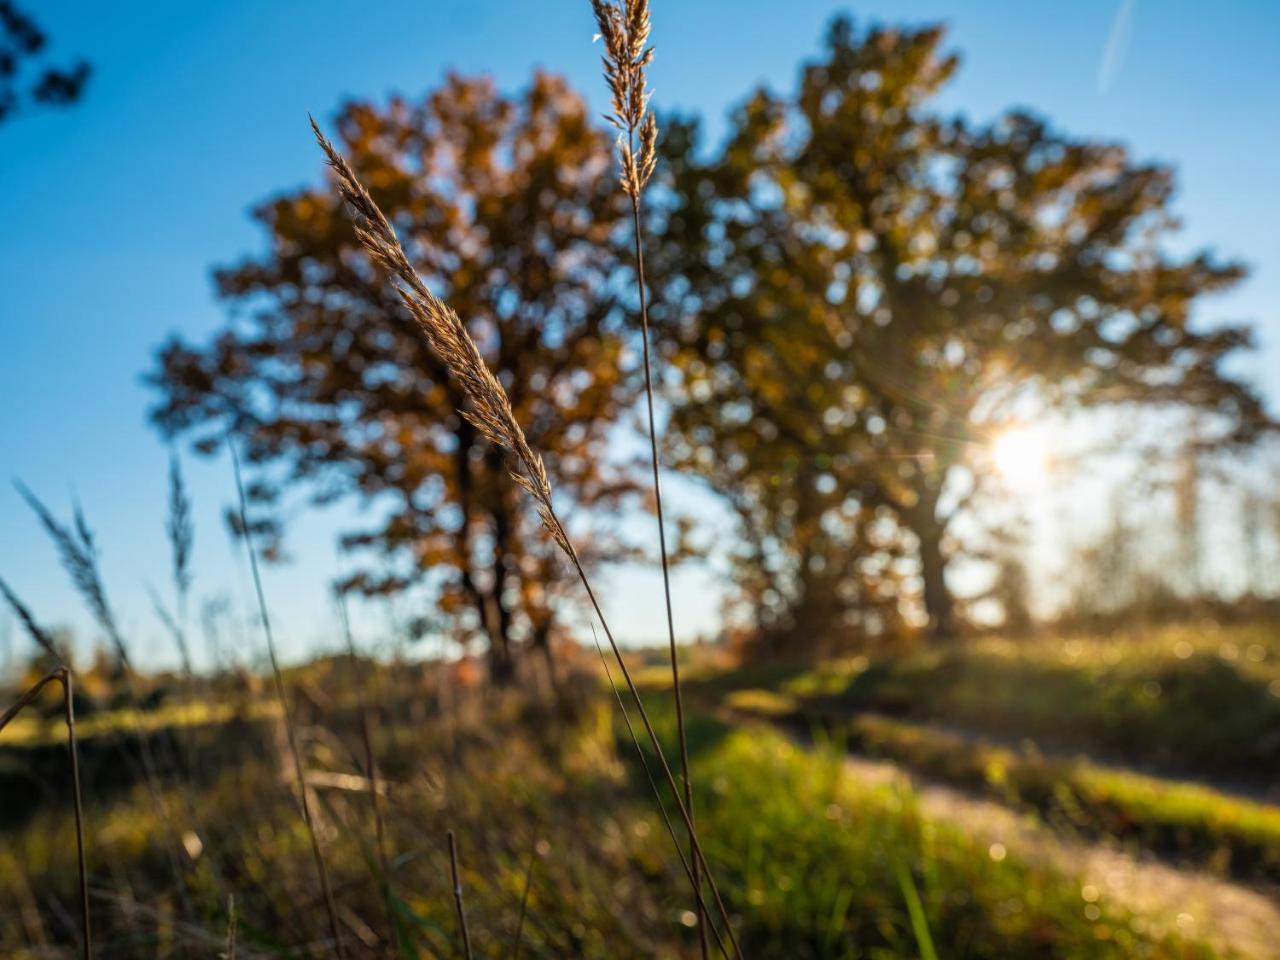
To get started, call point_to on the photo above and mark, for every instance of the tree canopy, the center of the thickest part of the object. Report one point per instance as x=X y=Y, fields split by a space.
x=859 y=289
x=510 y=207
x=855 y=293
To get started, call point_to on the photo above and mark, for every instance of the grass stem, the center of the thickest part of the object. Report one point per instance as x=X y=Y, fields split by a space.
x=488 y=407
x=370 y=770
x=282 y=697
x=457 y=897
x=524 y=902
x=62 y=674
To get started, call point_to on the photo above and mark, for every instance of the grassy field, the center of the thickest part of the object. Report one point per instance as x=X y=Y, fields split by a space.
x=1200 y=701
x=863 y=303
x=1164 y=740
x=813 y=862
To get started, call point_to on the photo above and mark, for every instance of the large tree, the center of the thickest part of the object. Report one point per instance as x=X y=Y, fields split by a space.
x=510 y=209
x=860 y=289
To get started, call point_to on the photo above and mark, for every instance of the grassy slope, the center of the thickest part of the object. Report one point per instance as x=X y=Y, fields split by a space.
x=1198 y=701
x=812 y=864
x=822 y=866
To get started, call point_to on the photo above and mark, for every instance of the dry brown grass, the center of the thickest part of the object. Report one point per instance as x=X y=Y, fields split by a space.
x=62 y=675
x=625 y=31
x=370 y=769
x=463 y=931
x=304 y=797
x=78 y=551
x=489 y=409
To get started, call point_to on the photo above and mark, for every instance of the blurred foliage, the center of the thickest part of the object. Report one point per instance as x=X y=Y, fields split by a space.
x=813 y=859
x=854 y=294
x=22 y=49
x=510 y=208
x=861 y=289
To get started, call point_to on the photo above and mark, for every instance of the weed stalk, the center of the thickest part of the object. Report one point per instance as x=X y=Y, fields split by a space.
x=457 y=897
x=282 y=697
x=488 y=408
x=62 y=674
x=625 y=31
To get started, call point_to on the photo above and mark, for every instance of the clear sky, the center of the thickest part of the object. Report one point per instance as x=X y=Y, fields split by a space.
x=113 y=212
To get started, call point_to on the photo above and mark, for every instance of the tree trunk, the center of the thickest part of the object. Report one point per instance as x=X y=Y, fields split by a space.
x=502 y=667
x=938 y=603
x=502 y=654
x=502 y=664
x=542 y=643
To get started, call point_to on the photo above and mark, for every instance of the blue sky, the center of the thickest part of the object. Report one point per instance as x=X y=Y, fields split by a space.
x=114 y=212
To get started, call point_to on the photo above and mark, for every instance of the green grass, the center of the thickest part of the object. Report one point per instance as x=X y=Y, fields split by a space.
x=816 y=864
x=37 y=731
x=1187 y=821
x=812 y=864
x=1194 y=701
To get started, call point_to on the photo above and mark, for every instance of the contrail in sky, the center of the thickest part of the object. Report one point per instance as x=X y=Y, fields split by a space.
x=1117 y=45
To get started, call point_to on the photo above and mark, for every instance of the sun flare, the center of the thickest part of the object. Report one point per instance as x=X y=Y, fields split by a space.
x=1021 y=455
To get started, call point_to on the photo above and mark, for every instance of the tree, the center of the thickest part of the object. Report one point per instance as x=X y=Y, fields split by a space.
x=22 y=42
x=509 y=207
x=860 y=290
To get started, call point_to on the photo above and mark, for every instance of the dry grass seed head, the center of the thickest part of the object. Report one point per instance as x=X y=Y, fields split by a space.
x=625 y=31
x=488 y=408
x=78 y=553
x=39 y=634
x=180 y=528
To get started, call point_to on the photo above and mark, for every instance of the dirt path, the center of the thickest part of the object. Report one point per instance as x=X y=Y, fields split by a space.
x=1236 y=919
x=1256 y=790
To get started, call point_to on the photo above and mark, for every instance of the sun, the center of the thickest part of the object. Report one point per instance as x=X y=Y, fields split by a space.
x=1021 y=455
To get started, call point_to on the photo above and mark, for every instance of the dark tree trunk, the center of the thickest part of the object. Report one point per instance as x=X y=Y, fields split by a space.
x=542 y=643
x=502 y=667
x=495 y=619
x=938 y=603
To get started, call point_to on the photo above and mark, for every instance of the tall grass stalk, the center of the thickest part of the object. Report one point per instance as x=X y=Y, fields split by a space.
x=179 y=529
x=229 y=953
x=173 y=627
x=290 y=731
x=489 y=409
x=39 y=634
x=62 y=674
x=463 y=932
x=370 y=769
x=625 y=31
x=524 y=901
x=915 y=912
x=662 y=808
x=78 y=551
